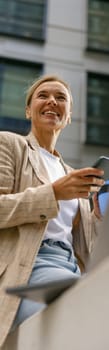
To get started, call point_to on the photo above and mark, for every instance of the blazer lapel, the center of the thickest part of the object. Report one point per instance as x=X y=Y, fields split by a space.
x=36 y=160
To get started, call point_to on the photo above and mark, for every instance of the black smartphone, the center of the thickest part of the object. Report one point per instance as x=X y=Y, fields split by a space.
x=103 y=163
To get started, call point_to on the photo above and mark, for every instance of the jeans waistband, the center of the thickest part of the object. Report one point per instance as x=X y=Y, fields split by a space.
x=60 y=244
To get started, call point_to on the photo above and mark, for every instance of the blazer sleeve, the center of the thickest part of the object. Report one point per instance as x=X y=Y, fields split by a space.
x=85 y=233
x=33 y=205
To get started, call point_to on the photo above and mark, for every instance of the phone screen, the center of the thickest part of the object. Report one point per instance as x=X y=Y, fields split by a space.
x=103 y=198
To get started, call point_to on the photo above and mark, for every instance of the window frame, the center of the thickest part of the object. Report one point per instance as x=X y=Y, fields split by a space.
x=15 y=124
x=41 y=38
x=90 y=48
x=100 y=141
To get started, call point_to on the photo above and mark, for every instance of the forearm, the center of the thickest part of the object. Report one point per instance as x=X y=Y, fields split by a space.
x=31 y=206
x=90 y=224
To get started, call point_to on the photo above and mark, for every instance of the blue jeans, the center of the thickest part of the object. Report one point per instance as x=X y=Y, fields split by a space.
x=54 y=261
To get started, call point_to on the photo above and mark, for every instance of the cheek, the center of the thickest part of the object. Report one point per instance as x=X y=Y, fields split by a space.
x=33 y=109
x=36 y=106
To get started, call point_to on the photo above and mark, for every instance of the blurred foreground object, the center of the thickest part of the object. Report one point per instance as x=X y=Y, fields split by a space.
x=83 y=310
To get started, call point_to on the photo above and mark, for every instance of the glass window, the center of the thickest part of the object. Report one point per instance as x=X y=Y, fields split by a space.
x=98 y=109
x=15 y=78
x=98 y=25
x=23 y=18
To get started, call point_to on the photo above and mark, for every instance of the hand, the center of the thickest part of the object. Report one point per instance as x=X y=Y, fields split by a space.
x=78 y=184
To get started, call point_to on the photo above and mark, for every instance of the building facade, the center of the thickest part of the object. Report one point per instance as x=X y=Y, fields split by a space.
x=65 y=37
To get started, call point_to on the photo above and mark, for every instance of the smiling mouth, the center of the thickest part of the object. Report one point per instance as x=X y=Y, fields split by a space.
x=55 y=114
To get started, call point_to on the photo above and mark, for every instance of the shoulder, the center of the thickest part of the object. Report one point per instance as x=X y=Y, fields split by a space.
x=12 y=139
x=13 y=147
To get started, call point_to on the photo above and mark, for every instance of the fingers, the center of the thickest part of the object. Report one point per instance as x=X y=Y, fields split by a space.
x=89 y=172
x=94 y=181
x=78 y=184
x=85 y=180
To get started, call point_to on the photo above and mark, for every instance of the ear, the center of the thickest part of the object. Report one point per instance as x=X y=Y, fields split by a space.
x=69 y=119
x=27 y=112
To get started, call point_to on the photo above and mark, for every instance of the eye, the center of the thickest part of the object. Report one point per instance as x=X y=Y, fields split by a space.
x=61 y=97
x=42 y=95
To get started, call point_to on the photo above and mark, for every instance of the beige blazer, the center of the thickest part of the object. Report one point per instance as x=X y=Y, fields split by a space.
x=27 y=202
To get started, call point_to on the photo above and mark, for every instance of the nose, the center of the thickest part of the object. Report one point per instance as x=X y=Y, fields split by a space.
x=52 y=100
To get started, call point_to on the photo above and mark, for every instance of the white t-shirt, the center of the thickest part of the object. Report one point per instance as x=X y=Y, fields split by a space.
x=59 y=228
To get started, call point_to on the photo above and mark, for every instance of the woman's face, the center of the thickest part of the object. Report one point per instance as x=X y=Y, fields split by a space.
x=50 y=107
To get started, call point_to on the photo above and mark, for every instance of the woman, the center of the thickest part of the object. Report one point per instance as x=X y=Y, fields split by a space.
x=47 y=230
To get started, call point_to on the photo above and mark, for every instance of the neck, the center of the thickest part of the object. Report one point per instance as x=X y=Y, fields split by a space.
x=46 y=139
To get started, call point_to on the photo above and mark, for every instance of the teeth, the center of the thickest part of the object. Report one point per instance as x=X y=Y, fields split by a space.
x=50 y=112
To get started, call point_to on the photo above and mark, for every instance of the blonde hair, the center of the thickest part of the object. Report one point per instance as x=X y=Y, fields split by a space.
x=44 y=79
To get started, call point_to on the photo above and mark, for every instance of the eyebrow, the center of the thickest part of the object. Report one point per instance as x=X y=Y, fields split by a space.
x=57 y=92
x=61 y=93
x=44 y=91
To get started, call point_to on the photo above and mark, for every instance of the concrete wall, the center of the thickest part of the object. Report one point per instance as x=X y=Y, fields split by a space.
x=64 y=53
x=71 y=321
x=79 y=318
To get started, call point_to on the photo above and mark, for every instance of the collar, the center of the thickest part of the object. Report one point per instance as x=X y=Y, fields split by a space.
x=34 y=144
